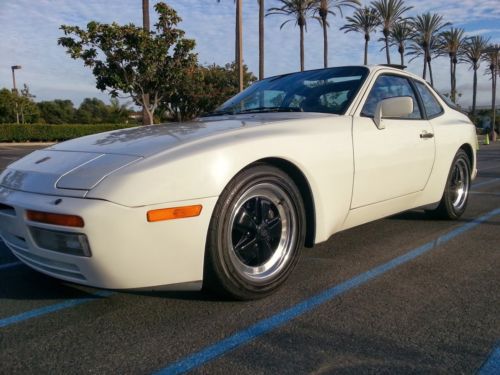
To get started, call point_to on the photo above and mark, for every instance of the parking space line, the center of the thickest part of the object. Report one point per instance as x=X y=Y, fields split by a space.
x=492 y=364
x=9 y=265
x=53 y=308
x=275 y=321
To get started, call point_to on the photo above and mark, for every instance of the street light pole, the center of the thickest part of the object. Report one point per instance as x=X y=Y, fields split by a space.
x=14 y=89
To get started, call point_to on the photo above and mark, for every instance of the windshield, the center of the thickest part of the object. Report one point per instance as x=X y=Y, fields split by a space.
x=326 y=90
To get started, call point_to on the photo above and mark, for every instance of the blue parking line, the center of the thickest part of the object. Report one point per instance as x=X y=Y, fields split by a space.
x=492 y=364
x=486 y=182
x=52 y=308
x=275 y=321
x=9 y=265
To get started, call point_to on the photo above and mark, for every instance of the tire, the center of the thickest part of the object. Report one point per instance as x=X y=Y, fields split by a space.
x=256 y=233
x=456 y=192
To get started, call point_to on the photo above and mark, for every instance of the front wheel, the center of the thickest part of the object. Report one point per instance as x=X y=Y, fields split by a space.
x=456 y=192
x=255 y=235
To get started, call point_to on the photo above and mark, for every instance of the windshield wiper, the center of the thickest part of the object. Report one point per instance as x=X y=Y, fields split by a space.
x=217 y=113
x=269 y=109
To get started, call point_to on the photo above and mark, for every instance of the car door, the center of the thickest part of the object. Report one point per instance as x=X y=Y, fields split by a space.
x=396 y=160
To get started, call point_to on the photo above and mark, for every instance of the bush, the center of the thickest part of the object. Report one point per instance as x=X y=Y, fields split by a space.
x=51 y=133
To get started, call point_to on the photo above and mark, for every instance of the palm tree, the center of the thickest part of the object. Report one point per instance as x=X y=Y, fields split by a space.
x=400 y=34
x=323 y=9
x=389 y=12
x=261 y=38
x=472 y=53
x=426 y=27
x=146 y=116
x=299 y=10
x=451 y=42
x=492 y=58
x=364 y=20
x=239 y=41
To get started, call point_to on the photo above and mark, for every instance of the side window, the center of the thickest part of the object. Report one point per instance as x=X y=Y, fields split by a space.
x=432 y=106
x=388 y=86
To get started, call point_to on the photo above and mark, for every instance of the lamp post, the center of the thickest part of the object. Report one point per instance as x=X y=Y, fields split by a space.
x=14 y=89
x=493 y=51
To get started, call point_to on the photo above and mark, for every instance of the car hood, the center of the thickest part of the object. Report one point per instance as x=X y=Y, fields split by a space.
x=74 y=167
x=145 y=141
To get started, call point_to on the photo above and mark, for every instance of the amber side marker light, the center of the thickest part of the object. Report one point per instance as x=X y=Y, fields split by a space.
x=174 y=213
x=55 y=219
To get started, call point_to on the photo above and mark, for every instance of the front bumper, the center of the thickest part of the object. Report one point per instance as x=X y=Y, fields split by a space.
x=128 y=252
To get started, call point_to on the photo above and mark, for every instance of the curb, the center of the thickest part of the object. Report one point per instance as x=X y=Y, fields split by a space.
x=27 y=144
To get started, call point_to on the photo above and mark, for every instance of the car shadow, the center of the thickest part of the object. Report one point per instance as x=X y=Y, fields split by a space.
x=23 y=283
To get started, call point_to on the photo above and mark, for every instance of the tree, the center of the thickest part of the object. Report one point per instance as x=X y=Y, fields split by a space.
x=472 y=53
x=14 y=103
x=203 y=89
x=451 y=42
x=424 y=40
x=146 y=27
x=129 y=60
x=7 y=111
x=95 y=111
x=118 y=113
x=322 y=9
x=92 y=111
x=57 y=111
x=299 y=11
x=400 y=34
x=26 y=106
x=365 y=21
x=390 y=12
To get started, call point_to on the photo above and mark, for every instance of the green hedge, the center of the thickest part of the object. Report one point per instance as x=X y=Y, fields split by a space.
x=51 y=133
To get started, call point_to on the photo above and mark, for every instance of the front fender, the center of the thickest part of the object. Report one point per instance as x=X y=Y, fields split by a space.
x=322 y=150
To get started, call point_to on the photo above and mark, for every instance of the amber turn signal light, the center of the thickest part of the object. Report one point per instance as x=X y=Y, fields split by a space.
x=174 y=213
x=55 y=219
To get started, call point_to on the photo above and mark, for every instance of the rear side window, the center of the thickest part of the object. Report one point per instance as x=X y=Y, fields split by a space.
x=432 y=106
x=389 y=86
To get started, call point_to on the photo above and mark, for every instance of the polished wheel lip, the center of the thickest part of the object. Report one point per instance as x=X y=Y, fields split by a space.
x=459 y=184
x=282 y=253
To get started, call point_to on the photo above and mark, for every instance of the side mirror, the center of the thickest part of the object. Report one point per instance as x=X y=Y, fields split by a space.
x=398 y=106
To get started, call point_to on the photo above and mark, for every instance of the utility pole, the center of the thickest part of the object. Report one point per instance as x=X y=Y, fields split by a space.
x=146 y=120
x=14 y=89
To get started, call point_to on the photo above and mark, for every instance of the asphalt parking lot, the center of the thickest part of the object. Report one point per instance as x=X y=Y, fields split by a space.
x=401 y=295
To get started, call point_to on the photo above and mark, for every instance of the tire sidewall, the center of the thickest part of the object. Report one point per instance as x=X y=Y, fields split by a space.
x=218 y=248
x=453 y=213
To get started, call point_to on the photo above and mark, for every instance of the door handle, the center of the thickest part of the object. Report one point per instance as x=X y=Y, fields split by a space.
x=426 y=135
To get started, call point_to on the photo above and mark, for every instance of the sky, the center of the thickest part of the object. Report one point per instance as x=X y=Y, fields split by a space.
x=29 y=30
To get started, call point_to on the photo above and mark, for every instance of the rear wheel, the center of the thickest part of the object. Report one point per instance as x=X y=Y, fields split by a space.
x=456 y=193
x=255 y=235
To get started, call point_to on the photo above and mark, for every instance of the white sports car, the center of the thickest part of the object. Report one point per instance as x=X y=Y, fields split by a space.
x=228 y=201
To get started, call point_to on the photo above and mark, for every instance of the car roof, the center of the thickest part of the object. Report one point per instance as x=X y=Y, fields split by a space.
x=371 y=68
